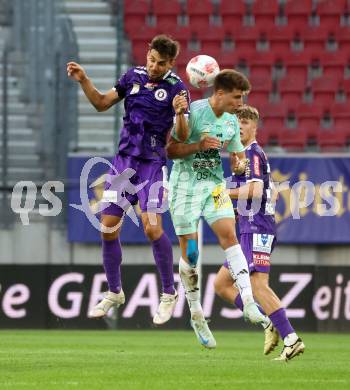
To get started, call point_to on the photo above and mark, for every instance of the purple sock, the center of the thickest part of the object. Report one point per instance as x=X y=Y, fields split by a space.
x=281 y=322
x=163 y=255
x=112 y=258
x=239 y=304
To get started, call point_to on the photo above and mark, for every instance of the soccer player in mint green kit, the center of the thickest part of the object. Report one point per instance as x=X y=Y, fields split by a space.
x=197 y=187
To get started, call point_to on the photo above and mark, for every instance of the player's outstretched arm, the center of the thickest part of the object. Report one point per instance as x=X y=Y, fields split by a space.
x=101 y=101
x=181 y=125
x=176 y=149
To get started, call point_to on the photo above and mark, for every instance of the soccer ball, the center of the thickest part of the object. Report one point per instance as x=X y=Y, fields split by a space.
x=201 y=71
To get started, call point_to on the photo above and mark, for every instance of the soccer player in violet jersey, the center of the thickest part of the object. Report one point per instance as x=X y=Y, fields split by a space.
x=197 y=187
x=152 y=96
x=256 y=199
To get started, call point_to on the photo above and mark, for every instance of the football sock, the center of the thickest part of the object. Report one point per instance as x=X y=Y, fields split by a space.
x=237 y=265
x=112 y=258
x=189 y=279
x=282 y=324
x=163 y=255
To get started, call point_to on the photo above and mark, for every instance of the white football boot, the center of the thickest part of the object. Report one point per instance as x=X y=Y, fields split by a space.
x=165 y=309
x=252 y=313
x=109 y=300
x=202 y=331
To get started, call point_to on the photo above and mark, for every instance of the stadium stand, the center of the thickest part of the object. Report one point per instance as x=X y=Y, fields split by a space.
x=296 y=54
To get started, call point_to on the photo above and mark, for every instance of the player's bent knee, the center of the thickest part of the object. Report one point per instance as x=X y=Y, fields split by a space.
x=111 y=223
x=218 y=287
x=153 y=232
x=228 y=240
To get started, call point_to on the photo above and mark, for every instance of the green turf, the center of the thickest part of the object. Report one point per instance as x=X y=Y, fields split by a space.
x=165 y=360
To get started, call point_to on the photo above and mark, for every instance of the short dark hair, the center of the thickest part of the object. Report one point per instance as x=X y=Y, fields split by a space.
x=247 y=112
x=229 y=79
x=165 y=46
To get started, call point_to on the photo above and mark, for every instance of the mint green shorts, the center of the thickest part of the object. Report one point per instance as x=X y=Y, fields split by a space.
x=186 y=209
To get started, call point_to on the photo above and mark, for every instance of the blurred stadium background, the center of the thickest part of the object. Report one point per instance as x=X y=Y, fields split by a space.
x=296 y=54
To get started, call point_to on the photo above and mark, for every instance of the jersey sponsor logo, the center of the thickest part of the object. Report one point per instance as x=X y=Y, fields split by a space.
x=160 y=94
x=135 y=89
x=256 y=165
x=262 y=259
x=172 y=80
x=221 y=198
x=140 y=71
x=151 y=86
x=262 y=243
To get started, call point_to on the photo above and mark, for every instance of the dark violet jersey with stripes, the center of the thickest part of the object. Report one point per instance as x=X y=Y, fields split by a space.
x=149 y=113
x=256 y=216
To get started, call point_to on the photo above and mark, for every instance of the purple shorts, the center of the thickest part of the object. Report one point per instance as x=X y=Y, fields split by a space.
x=135 y=180
x=257 y=248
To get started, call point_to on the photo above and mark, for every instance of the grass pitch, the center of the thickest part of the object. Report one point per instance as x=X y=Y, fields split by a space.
x=165 y=360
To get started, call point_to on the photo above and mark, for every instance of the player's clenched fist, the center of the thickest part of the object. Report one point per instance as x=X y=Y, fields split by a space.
x=180 y=104
x=76 y=71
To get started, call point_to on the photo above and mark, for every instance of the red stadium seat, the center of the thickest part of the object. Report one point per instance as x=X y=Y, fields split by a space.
x=330 y=139
x=203 y=7
x=330 y=11
x=279 y=37
x=309 y=118
x=331 y=7
x=133 y=24
x=136 y=7
x=265 y=11
x=314 y=38
x=260 y=84
x=295 y=139
x=199 y=23
x=341 y=110
x=232 y=14
x=291 y=89
x=212 y=41
x=324 y=86
x=232 y=8
x=167 y=24
x=260 y=73
x=342 y=36
x=293 y=83
x=265 y=7
x=297 y=10
x=168 y=7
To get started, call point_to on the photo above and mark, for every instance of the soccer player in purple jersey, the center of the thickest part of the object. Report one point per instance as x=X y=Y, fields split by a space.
x=257 y=239
x=153 y=96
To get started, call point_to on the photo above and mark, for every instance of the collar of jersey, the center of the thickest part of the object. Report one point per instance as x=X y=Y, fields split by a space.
x=254 y=142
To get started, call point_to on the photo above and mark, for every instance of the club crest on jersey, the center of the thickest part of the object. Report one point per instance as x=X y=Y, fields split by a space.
x=160 y=94
x=151 y=86
x=135 y=89
x=230 y=131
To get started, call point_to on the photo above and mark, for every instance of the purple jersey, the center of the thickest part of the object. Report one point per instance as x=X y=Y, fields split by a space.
x=149 y=113
x=256 y=216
